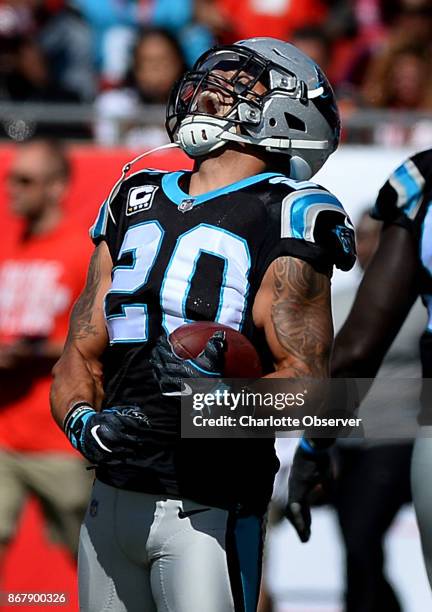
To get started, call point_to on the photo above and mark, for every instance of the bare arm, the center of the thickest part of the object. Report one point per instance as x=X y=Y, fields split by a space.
x=385 y=296
x=78 y=373
x=293 y=307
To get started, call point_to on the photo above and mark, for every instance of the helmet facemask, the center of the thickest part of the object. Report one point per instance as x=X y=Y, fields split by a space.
x=226 y=90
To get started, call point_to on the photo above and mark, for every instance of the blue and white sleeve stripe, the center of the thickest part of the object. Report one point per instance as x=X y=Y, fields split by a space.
x=98 y=229
x=408 y=182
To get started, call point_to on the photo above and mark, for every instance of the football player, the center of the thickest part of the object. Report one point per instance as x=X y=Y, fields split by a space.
x=399 y=272
x=246 y=240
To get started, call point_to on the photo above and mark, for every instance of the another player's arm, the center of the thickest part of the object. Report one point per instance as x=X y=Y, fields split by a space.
x=78 y=373
x=293 y=307
x=387 y=292
x=27 y=354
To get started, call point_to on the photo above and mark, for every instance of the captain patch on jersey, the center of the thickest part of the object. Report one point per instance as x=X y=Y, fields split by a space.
x=140 y=199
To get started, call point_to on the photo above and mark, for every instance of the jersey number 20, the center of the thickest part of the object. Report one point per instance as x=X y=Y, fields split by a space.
x=144 y=241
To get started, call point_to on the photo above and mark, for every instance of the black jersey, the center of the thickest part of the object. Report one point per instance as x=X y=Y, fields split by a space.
x=179 y=259
x=406 y=200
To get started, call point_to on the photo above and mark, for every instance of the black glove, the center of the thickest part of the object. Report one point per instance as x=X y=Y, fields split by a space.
x=115 y=434
x=169 y=369
x=310 y=468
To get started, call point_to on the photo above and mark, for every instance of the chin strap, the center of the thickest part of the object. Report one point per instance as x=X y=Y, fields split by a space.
x=200 y=135
x=126 y=168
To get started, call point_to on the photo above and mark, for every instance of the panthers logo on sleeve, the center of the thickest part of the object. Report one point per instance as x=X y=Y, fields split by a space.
x=314 y=226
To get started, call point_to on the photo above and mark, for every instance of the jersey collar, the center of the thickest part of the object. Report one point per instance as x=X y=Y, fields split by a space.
x=171 y=188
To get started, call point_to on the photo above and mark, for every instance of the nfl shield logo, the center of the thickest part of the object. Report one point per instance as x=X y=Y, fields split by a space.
x=186 y=205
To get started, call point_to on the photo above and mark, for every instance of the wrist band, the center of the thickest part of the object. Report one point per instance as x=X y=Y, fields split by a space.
x=71 y=412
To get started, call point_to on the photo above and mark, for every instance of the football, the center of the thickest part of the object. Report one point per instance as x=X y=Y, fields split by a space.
x=241 y=358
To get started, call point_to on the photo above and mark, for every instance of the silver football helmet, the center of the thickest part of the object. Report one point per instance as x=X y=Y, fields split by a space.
x=260 y=91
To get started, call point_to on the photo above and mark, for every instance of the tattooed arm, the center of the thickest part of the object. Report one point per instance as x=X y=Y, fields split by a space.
x=78 y=373
x=293 y=307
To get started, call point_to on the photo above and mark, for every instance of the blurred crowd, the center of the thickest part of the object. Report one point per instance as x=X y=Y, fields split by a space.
x=119 y=53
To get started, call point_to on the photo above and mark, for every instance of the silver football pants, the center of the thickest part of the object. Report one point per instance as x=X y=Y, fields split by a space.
x=421 y=470
x=150 y=553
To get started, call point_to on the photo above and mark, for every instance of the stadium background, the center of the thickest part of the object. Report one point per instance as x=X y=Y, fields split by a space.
x=377 y=54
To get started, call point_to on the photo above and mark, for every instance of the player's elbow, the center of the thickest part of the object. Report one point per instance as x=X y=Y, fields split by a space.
x=314 y=365
x=57 y=377
x=57 y=372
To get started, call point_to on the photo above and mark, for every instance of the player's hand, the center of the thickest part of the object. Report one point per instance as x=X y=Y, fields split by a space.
x=169 y=369
x=115 y=434
x=310 y=468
